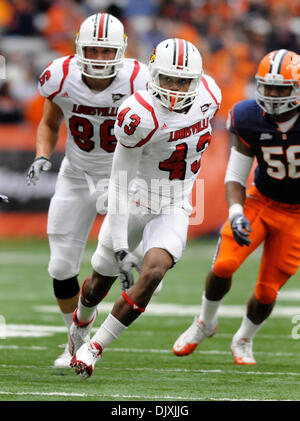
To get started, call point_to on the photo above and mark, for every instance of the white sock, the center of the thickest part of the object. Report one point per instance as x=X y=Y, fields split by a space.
x=68 y=319
x=209 y=309
x=110 y=330
x=247 y=329
x=84 y=313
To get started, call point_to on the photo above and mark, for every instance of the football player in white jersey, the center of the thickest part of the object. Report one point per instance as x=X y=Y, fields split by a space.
x=86 y=90
x=161 y=132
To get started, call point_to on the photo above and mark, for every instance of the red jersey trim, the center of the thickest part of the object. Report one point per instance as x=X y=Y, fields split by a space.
x=134 y=74
x=65 y=66
x=204 y=81
x=149 y=108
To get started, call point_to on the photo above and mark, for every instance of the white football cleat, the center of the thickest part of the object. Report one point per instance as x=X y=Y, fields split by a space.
x=192 y=337
x=242 y=351
x=79 y=332
x=64 y=359
x=85 y=359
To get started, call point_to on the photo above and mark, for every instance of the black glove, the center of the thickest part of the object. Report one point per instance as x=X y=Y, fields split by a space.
x=240 y=225
x=126 y=262
x=39 y=164
x=4 y=198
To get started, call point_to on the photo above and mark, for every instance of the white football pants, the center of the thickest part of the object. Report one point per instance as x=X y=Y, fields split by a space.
x=165 y=230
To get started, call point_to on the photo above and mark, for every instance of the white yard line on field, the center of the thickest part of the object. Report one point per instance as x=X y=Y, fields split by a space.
x=208 y=352
x=217 y=371
x=28 y=348
x=14 y=257
x=289 y=295
x=167 y=309
x=24 y=257
x=153 y=351
x=14 y=330
x=120 y=396
x=168 y=370
x=46 y=394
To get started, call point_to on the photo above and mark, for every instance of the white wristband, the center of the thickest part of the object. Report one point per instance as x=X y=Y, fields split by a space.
x=238 y=167
x=235 y=209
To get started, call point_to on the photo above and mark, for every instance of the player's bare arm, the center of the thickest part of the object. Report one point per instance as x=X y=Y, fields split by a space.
x=47 y=135
x=48 y=129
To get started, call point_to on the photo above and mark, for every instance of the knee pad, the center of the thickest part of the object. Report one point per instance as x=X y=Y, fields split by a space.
x=225 y=268
x=265 y=294
x=67 y=288
x=104 y=262
x=61 y=269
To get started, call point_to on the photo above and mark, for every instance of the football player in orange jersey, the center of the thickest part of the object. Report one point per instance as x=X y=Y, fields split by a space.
x=268 y=213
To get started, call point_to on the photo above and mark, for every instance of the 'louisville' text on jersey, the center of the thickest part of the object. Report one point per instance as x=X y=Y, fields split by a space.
x=87 y=110
x=189 y=131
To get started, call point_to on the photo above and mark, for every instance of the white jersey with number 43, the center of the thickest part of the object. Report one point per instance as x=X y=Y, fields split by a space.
x=172 y=143
x=90 y=115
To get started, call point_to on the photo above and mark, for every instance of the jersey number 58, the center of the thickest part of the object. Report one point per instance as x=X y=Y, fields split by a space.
x=276 y=168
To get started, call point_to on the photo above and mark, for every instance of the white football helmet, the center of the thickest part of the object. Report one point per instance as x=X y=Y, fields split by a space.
x=178 y=58
x=101 y=30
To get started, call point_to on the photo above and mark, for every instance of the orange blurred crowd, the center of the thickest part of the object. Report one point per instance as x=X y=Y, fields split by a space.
x=232 y=36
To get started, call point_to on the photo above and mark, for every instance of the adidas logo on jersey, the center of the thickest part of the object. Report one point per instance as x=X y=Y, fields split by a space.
x=265 y=136
x=164 y=126
x=65 y=95
x=117 y=97
x=204 y=108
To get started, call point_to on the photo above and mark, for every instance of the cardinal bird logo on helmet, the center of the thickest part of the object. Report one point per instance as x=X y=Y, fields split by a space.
x=152 y=58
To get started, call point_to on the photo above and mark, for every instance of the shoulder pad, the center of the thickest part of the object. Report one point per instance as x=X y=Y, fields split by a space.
x=244 y=114
x=213 y=89
x=142 y=77
x=138 y=74
x=136 y=121
x=52 y=78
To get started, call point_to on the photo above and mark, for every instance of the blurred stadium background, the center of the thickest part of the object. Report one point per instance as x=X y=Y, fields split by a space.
x=232 y=36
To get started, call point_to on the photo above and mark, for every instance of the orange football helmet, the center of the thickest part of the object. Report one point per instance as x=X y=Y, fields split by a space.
x=278 y=68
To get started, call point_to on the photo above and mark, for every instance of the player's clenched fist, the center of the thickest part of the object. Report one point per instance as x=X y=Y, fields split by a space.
x=126 y=262
x=39 y=164
x=240 y=228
